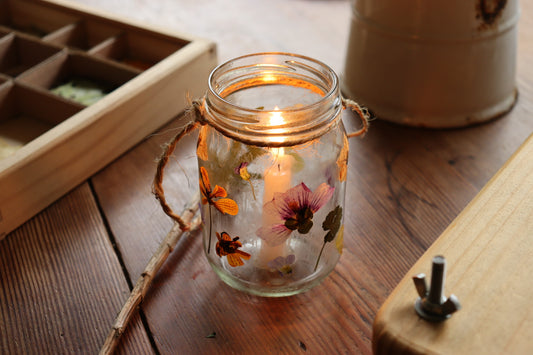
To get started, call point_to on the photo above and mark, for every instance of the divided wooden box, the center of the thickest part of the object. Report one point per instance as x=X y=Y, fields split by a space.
x=51 y=143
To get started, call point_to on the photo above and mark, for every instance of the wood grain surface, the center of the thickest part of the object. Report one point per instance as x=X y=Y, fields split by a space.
x=62 y=283
x=404 y=187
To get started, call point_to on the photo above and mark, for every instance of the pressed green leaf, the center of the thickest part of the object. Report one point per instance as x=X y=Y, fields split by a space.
x=332 y=223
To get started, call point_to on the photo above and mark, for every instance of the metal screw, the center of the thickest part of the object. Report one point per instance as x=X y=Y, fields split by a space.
x=432 y=305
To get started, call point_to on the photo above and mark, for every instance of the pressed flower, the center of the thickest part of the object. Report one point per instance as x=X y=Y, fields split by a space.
x=242 y=171
x=284 y=265
x=331 y=224
x=293 y=210
x=230 y=248
x=215 y=197
x=342 y=161
x=201 y=147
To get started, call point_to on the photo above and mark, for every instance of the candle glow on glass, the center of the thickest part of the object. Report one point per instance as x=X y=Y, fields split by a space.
x=276 y=119
x=269 y=78
x=277 y=179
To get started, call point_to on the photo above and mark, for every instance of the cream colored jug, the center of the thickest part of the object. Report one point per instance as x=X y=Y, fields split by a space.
x=433 y=63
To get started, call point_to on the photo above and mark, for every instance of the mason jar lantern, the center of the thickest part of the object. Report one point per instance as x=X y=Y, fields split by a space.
x=272 y=157
x=272 y=162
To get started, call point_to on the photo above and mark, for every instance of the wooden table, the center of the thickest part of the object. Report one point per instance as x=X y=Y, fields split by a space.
x=65 y=274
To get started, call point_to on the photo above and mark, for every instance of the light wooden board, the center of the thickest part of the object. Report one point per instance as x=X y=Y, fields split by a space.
x=489 y=252
x=405 y=187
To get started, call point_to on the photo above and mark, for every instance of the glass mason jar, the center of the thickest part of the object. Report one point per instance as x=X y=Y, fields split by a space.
x=272 y=160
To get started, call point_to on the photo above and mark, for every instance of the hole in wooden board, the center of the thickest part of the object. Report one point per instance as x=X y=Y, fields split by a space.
x=26 y=113
x=18 y=54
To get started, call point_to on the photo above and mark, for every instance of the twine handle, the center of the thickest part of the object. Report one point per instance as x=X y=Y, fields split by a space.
x=363 y=114
x=196 y=110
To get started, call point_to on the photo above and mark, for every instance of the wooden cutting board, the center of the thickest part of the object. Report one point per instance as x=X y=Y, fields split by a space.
x=489 y=254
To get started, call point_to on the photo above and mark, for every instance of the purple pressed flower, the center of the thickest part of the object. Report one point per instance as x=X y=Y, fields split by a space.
x=283 y=264
x=292 y=210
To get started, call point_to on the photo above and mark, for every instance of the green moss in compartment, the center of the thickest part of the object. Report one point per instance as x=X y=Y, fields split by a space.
x=82 y=90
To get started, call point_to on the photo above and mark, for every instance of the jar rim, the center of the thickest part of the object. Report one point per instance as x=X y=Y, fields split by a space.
x=291 y=69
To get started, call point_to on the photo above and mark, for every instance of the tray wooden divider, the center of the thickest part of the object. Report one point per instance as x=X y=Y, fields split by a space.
x=53 y=163
x=489 y=253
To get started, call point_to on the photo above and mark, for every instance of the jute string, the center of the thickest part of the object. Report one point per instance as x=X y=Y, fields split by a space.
x=196 y=112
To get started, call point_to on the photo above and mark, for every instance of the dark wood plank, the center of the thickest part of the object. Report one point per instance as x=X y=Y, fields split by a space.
x=406 y=185
x=62 y=284
x=188 y=302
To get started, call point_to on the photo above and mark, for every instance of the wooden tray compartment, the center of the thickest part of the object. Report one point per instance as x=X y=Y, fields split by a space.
x=26 y=113
x=73 y=66
x=130 y=49
x=63 y=142
x=18 y=53
x=4 y=31
x=82 y=35
x=33 y=18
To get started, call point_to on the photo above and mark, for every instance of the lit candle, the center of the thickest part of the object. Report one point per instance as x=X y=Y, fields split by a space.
x=277 y=178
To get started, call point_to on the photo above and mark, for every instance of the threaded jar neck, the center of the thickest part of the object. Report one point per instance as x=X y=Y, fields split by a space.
x=273 y=99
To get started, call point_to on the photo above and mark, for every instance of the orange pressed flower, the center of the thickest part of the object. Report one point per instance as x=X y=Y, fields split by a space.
x=201 y=147
x=215 y=197
x=230 y=248
x=342 y=161
x=223 y=204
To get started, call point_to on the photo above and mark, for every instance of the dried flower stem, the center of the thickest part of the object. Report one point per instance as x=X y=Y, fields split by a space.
x=144 y=281
x=210 y=229
x=319 y=255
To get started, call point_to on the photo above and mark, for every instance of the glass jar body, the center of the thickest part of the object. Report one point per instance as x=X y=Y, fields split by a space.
x=272 y=203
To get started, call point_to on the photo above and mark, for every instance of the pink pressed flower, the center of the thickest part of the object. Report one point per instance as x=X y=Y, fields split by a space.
x=292 y=210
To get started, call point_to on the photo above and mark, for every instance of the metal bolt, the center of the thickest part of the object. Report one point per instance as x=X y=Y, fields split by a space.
x=432 y=305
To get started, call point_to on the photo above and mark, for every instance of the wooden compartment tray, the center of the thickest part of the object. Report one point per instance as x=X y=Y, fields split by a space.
x=77 y=89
